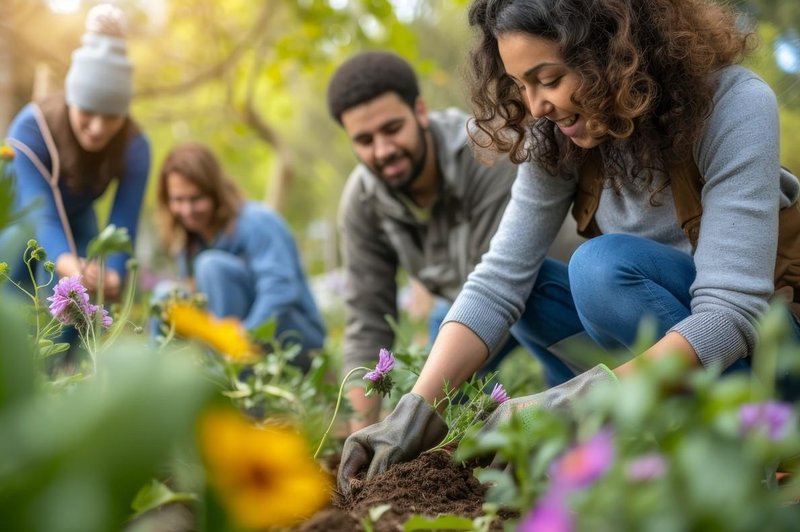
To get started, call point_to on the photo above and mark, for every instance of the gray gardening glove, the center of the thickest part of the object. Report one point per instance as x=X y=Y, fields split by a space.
x=413 y=427
x=558 y=398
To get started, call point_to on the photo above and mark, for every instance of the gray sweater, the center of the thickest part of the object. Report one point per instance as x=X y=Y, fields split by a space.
x=738 y=155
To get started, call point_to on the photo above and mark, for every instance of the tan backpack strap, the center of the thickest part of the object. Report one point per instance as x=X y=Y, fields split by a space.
x=687 y=184
x=587 y=197
x=51 y=178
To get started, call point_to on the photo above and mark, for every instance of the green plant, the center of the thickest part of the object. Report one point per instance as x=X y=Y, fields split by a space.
x=668 y=448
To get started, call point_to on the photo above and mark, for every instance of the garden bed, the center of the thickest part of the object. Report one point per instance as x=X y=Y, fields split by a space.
x=430 y=485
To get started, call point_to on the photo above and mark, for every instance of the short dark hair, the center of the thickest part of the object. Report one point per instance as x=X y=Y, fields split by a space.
x=368 y=75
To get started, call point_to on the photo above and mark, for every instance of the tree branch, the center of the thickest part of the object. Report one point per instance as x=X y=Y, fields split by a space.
x=219 y=69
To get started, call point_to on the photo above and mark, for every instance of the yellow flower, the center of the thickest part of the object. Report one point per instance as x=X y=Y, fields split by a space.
x=226 y=335
x=6 y=153
x=264 y=476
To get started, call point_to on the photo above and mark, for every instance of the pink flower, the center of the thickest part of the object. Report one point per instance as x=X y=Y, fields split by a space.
x=379 y=378
x=550 y=515
x=584 y=464
x=105 y=321
x=498 y=394
x=69 y=303
x=646 y=467
x=384 y=366
x=772 y=417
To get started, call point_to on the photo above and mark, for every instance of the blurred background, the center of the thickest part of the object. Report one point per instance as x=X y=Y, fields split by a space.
x=248 y=77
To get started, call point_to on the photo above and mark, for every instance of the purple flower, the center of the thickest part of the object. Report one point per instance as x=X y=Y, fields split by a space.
x=69 y=303
x=379 y=379
x=584 y=464
x=105 y=320
x=384 y=366
x=550 y=515
x=646 y=467
x=773 y=417
x=498 y=394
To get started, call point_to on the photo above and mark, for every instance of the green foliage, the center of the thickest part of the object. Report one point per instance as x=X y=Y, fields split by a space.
x=714 y=471
x=464 y=407
x=155 y=495
x=110 y=240
x=7 y=216
x=75 y=460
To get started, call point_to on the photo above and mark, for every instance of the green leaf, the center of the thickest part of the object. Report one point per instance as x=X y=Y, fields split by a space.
x=157 y=494
x=112 y=239
x=443 y=522
x=264 y=332
x=17 y=369
x=502 y=489
x=48 y=348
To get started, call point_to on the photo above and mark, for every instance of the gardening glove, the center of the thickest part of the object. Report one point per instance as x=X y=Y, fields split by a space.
x=413 y=427
x=558 y=398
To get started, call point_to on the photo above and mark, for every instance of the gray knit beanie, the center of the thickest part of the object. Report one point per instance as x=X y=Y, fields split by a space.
x=100 y=76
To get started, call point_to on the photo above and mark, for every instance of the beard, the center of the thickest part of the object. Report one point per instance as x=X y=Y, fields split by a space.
x=404 y=183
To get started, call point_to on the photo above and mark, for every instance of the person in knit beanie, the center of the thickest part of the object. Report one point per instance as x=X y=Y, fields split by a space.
x=100 y=75
x=98 y=87
x=70 y=147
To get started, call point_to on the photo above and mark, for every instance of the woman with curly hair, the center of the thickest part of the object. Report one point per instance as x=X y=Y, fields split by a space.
x=637 y=118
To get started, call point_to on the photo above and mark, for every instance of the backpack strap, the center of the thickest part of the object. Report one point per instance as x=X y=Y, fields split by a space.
x=687 y=184
x=51 y=177
x=587 y=197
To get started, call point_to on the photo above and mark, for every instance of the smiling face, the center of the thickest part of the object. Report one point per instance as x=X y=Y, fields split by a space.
x=388 y=137
x=546 y=83
x=93 y=130
x=193 y=209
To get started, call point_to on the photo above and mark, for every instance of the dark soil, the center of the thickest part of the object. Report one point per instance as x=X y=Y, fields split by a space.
x=430 y=485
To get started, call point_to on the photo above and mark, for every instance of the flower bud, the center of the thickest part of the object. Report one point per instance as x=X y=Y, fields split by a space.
x=39 y=254
x=49 y=266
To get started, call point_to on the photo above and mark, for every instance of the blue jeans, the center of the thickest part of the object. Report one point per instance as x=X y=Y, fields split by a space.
x=611 y=284
x=554 y=370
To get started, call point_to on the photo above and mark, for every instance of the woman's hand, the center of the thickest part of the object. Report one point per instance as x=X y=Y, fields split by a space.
x=69 y=265
x=112 y=283
x=411 y=429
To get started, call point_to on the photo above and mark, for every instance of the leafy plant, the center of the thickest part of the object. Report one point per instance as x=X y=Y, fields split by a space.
x=668 y=448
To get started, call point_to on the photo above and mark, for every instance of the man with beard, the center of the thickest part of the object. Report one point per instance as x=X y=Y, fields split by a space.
x=418 y=200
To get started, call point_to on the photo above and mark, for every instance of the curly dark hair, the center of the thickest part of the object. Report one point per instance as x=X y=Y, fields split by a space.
x=366 y=76
x=644 y=68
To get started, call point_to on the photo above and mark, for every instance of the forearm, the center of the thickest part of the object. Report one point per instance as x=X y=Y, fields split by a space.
x=455 y=357
x=672 y=344
x=366 y=409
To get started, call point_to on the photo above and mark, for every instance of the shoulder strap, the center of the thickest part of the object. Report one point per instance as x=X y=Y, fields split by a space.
x=587 y=197
x=50 y=177
x=687 y=184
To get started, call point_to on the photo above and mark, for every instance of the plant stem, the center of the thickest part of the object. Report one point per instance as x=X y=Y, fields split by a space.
x=127 y=305
x=336 y=409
